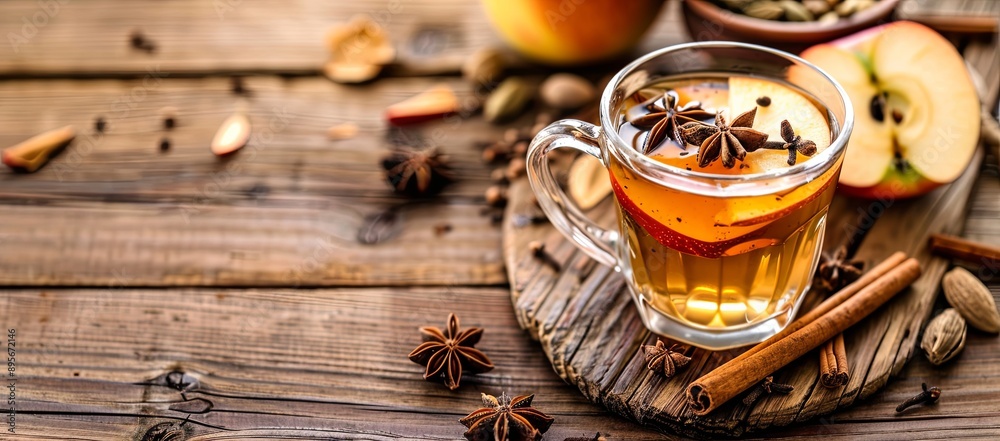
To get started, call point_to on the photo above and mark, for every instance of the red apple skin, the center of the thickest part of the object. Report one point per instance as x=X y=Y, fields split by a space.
x=894 y=185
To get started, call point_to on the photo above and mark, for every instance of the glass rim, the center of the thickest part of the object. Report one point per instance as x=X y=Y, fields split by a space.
x=646 y=166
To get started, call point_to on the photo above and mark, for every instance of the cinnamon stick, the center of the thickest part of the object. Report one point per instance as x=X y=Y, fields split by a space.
x=831 y=302
x=833 y=363
x=967 y=250
x=725 y=382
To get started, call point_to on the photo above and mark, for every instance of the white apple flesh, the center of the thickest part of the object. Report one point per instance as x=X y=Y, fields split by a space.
x=916 y=110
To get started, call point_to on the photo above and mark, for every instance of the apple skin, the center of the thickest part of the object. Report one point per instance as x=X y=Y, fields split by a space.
x=894 y=183
x=572 y=32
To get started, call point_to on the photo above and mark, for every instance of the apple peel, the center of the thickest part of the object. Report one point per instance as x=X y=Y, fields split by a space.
x=435 y=102
x=33 y=153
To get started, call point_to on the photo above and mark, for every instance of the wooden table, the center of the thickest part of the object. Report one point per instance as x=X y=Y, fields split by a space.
x=151 y=288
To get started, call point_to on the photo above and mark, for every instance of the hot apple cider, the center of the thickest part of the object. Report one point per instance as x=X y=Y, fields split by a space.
x=722 y=262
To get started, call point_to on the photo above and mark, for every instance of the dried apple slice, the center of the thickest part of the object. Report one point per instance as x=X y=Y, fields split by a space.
x=588 y=182
x=433 y=103
x=358 y=50
x=33 y=153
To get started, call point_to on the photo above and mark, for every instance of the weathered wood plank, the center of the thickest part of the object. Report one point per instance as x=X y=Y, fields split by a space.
x=197 y=37
x=93 y=364
x=113 y=210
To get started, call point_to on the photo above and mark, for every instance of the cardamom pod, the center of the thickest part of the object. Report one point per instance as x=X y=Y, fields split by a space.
x=829 y=18
x=816 y=7
x=944 y=337
x=566 y=91
x=484 y=66
x=764 y=10
x=588 y=182
x=508 y=100
x=795 y=11
x=972 y=299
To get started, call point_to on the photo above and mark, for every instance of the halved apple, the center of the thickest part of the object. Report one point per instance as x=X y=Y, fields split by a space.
x=916 y=111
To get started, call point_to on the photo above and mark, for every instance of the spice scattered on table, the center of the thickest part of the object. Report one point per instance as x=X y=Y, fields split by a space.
x=837 y=270
x=31 y=154
x=164 y=144
x=972 y=299
x=538 y=250
x=508 y=100
x=417 y=172
x=139 y=41
x=100 y=124
x=446 y=353
x=358 y=51
x=663 y=360
x=767 y=387
x=442 y=229
x=565 y=91
x=169 y=117
x=484 y=67
x=929 y=395
x=944 y=337
x=506 y=419
x=237 y=86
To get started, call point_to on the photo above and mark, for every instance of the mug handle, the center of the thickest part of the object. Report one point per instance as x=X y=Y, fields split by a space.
x=597 y=242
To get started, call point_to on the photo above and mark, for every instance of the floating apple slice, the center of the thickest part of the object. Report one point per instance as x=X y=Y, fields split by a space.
x=233 y=134
x=33 y=153
x=671 y=238
x=434 y=103
x=916 y=111
x=807 y=121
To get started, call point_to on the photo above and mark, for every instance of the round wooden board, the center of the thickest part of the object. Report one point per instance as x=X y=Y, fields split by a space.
x=583 y=316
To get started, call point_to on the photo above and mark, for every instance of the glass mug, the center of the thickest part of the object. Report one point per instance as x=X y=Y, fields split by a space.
x=710 y=284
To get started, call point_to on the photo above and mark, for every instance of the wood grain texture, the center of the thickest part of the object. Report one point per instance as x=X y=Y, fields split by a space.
x=585 y=320
x=195 y=37
x=255 y=364
x=285 y=211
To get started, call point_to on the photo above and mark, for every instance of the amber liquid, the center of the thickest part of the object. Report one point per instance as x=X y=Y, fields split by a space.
x=718 y=262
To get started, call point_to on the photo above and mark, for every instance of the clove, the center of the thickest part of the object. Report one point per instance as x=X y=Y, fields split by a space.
x=928 y=396
x=539 y=252
x=768 y=386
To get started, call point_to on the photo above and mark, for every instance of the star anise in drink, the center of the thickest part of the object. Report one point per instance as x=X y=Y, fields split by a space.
x=417 y=172
x=730 y=142
x=837 y=271
x=446 y=353
x=506 y=419
x=792 y=142
x=667 y=119
x=663 y=360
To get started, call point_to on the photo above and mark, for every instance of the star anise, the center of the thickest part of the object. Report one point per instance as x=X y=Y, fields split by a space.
x=668 y=119
x=727 y=141
x=446 y=353
x=665 y=361
x=417 y=172
x=837 y=271
x=506 y=419
x=768 y=386
x=793 y=143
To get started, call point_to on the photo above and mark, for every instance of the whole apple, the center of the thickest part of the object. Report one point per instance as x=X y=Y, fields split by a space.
x=567 y=32
x=917 y=114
